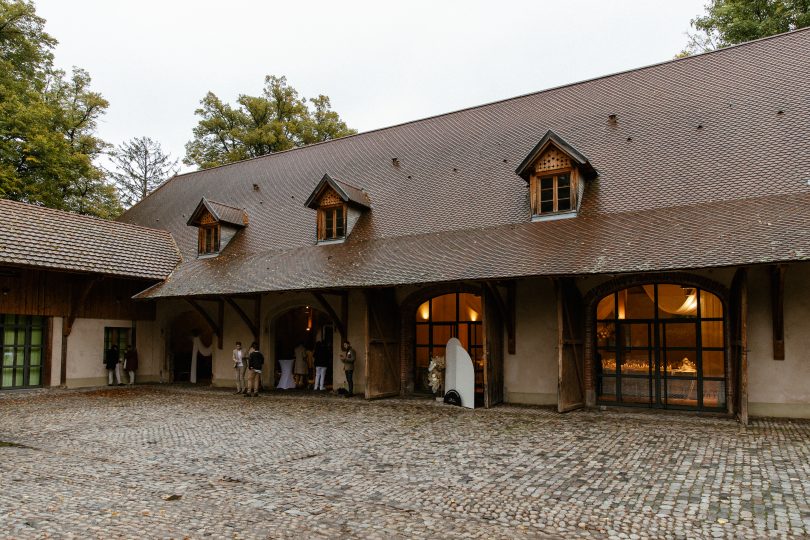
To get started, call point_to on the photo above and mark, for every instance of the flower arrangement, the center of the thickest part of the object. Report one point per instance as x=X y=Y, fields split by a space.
x=436 y=373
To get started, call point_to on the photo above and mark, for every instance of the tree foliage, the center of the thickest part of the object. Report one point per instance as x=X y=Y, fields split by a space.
x=140 y=167
x=277 y=120
x=729 y=22
x=48 y=118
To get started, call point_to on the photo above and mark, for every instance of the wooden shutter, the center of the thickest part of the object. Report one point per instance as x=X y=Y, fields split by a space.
x=571 y=365
x=382 y=364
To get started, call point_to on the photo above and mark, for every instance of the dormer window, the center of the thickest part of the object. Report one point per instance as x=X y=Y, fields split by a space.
x=217 y=224
x=339 y=206
x=554 y=171
x=332 y=222
x=208 y=239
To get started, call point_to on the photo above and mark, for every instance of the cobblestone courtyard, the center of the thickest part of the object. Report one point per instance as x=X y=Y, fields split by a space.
x=103 y=463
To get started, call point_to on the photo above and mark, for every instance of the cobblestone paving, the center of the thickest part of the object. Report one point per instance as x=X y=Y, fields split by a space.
x=102 y=464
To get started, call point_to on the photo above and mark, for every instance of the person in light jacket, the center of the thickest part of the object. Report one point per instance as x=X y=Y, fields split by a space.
x=239 y=367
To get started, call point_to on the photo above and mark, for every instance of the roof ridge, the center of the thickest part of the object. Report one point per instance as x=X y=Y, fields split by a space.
x=498 y=101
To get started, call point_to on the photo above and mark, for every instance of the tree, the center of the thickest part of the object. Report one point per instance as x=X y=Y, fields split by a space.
x=141 y=166
x=277 y=120
x=729 y=22
x=48 y=120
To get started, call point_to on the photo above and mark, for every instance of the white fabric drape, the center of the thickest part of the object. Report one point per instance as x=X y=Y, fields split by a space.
x=199 y=348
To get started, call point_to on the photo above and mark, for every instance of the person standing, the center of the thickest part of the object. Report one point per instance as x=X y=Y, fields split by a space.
x=348 y=356
x=239 y=368
x=255 y=362
x=321 y=363
x=131 y=363
x=300 y=366
x=111 y=358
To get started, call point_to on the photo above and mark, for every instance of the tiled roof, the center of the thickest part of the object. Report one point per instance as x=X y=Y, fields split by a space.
x=738 y=232
x=346 y=192
x=719 y=132
x=37 y=237
x=222 y=212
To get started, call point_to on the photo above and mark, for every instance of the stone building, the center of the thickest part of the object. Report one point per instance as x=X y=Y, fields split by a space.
x=639 y=239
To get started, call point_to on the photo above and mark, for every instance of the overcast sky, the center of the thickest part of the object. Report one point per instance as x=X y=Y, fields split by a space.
x=380 y=62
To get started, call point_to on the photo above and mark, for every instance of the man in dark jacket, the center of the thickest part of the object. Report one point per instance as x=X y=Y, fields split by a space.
x=255 y=363
x=321 y=363
x=111 y=358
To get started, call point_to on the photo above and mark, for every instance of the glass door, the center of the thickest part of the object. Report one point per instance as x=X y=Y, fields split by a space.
x=22 y=340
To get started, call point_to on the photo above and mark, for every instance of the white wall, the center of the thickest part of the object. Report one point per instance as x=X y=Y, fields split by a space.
x=779 y=387
x=85 y=351
x=530 y=375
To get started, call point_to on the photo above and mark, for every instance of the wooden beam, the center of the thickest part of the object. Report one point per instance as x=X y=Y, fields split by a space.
x=253 y=325
x=778 y=310
x=506 y=309
x=743 y=347
x=339 y=322
x=221 y=316
x=215 y=328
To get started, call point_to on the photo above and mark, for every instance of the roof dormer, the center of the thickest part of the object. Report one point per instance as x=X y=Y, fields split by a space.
x=216 y=224
x=339 y=206
x=556 y=172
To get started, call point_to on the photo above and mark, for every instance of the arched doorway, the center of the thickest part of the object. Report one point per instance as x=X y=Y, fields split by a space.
x=184 y=328
x=302 y=325
x=459 y=315
x=661 y=345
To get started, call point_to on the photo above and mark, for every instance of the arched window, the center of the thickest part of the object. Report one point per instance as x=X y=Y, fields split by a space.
x=661 y=345
x=441 y=318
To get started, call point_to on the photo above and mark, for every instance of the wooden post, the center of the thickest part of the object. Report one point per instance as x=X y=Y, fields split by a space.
x=778 y=310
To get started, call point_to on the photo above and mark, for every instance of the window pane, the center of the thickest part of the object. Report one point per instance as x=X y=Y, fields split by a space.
x=681 y=363
x=713 y=364
x=680 y=335
x=710 y=306
x=563 y=204
x=546 y=206
x=682 y=392
x=34 y=375
x=339 y=222
x=36 y=336
x=606 y=334
x=635 y=303
x=714 y=394
x=606 y=389
x=676 y=301
x=444 y=308
x=712 y=333
x=469 y=307
x=422 y=357
x=607 y=361
x=35 y=356
x=8 y=378
x=8 y=356
x=441 y=335
x=547 y=183
x=636 y=390
x=563 y=181
x=330 y=227
x=606 y=309
x=636 y=363
x=422 y=335
x=635 y=335
x=19 y=356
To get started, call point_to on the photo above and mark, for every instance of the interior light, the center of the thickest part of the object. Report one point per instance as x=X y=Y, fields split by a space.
x=473 y=315
x=424 y=311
